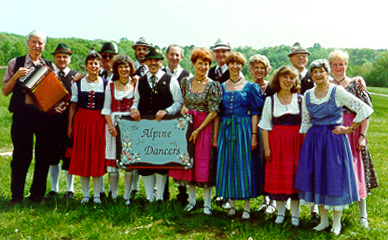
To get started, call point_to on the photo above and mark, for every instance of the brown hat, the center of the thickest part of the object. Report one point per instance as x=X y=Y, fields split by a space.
x=297 y=48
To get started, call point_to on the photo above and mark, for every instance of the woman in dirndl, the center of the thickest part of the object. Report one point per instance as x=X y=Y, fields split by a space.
x=280 y=123
x=362 y=161
x=325 y=174
x=260 y=67
x=202 y=97
x=87 y=128
x=237 y=137
x=119 y=95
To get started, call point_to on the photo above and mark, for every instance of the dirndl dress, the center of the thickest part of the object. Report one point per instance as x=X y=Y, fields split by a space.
x=88 y=154
x=236 y=164
x=325 y=173
x=285 y=143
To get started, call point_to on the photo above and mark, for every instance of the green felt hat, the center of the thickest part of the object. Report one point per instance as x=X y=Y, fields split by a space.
x=154 y=53
x=62 y=48
x=109 y=47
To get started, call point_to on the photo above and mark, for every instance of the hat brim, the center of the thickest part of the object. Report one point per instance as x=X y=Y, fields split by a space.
x=143 y=45
x=62 y=51
x=306 y=52
x=221 y=47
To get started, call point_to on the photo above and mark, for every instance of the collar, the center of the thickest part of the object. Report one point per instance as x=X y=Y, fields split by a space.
x=303 y=73
x=29 y=60
x=223 y=68
x=158 y=75
x=66 y=71
x=177 y=70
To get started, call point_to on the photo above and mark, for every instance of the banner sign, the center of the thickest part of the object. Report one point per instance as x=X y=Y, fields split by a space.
x=155 y=144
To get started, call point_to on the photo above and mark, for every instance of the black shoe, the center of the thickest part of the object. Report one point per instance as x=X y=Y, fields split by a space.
x=69 y=195
x=134 y=193
x=102 y=195
x=315 y=217
x=52 y=194
x=36 y=199
x=16 y=201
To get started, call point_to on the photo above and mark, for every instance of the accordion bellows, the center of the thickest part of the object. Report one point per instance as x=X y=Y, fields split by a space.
x=45 y=89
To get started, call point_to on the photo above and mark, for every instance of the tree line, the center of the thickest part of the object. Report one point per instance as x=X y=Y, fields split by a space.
x=371 y=64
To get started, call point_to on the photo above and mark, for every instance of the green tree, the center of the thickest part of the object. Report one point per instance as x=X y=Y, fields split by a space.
x=378 y=76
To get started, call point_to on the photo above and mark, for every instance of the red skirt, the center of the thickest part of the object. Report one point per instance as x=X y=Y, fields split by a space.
x=285 y=144
x=88 y=155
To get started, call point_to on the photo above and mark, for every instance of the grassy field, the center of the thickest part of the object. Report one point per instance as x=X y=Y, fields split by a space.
x=60 y=219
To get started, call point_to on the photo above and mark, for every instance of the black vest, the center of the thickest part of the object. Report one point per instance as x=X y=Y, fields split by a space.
x=306 y=83
x=212 y=74
x=183 y=74
x=68 y=80
x=18 y=95
x=150 y=103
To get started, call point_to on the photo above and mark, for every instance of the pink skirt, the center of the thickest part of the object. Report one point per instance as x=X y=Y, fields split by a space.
x=357 y=155
x=88 y=155
x=202 y=154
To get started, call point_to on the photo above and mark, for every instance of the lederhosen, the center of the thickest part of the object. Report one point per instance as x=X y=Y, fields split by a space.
x=150 y=103
x=28 y=121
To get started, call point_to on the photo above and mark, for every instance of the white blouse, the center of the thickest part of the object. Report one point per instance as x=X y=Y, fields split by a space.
x=118 y=95
x=278 y=110
x=342 y=98
x=97 y=86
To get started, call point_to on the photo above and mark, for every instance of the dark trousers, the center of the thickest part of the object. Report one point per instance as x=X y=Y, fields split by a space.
x=26 y=123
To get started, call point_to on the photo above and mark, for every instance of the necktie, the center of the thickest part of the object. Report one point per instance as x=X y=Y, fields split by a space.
x=154 y=82
x=219 y=74
x=62 y=75
x=142 y=70
x=300 y=77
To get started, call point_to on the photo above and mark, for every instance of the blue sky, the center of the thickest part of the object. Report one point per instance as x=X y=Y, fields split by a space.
x=255 y=23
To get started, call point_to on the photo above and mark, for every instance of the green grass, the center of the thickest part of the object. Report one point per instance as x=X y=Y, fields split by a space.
x=60 y=219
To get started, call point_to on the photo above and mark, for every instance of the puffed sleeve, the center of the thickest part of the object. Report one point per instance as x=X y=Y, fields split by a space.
x=266 y=116
x=353 y=103
x=74 y=91
x=183 y=84
x=255 y=99
x=107 y=109
x=214 y=96
x=306 y=119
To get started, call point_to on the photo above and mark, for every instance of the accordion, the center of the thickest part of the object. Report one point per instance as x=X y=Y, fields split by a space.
x=45 y=89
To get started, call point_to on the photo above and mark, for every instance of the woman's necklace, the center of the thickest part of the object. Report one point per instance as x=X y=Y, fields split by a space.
x=124 y=83
x=285 y=98
x=199 y=80
x=338 y=82
x=92 y=80
x=236 y=82
x=320 y=92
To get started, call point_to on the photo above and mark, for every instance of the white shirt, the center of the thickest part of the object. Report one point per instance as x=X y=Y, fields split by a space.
x=177 y=72
x=174 y=89
x=342 y=98
x=66 y=71
x=278 y=110
x=223 y=68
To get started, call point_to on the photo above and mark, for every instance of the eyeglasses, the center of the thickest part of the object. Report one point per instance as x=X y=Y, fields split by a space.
x=105 y=56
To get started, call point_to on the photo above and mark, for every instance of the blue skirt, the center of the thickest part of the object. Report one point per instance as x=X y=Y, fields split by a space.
x=325 y=173
x=236 y=163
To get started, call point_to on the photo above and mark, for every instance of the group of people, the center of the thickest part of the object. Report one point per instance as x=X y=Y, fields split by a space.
x=250 y=138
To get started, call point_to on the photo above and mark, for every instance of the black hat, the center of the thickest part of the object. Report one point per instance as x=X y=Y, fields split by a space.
x=141 y=42
x=62 y=48
x=109 y=47
x=154 y=53
x=297 y=48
